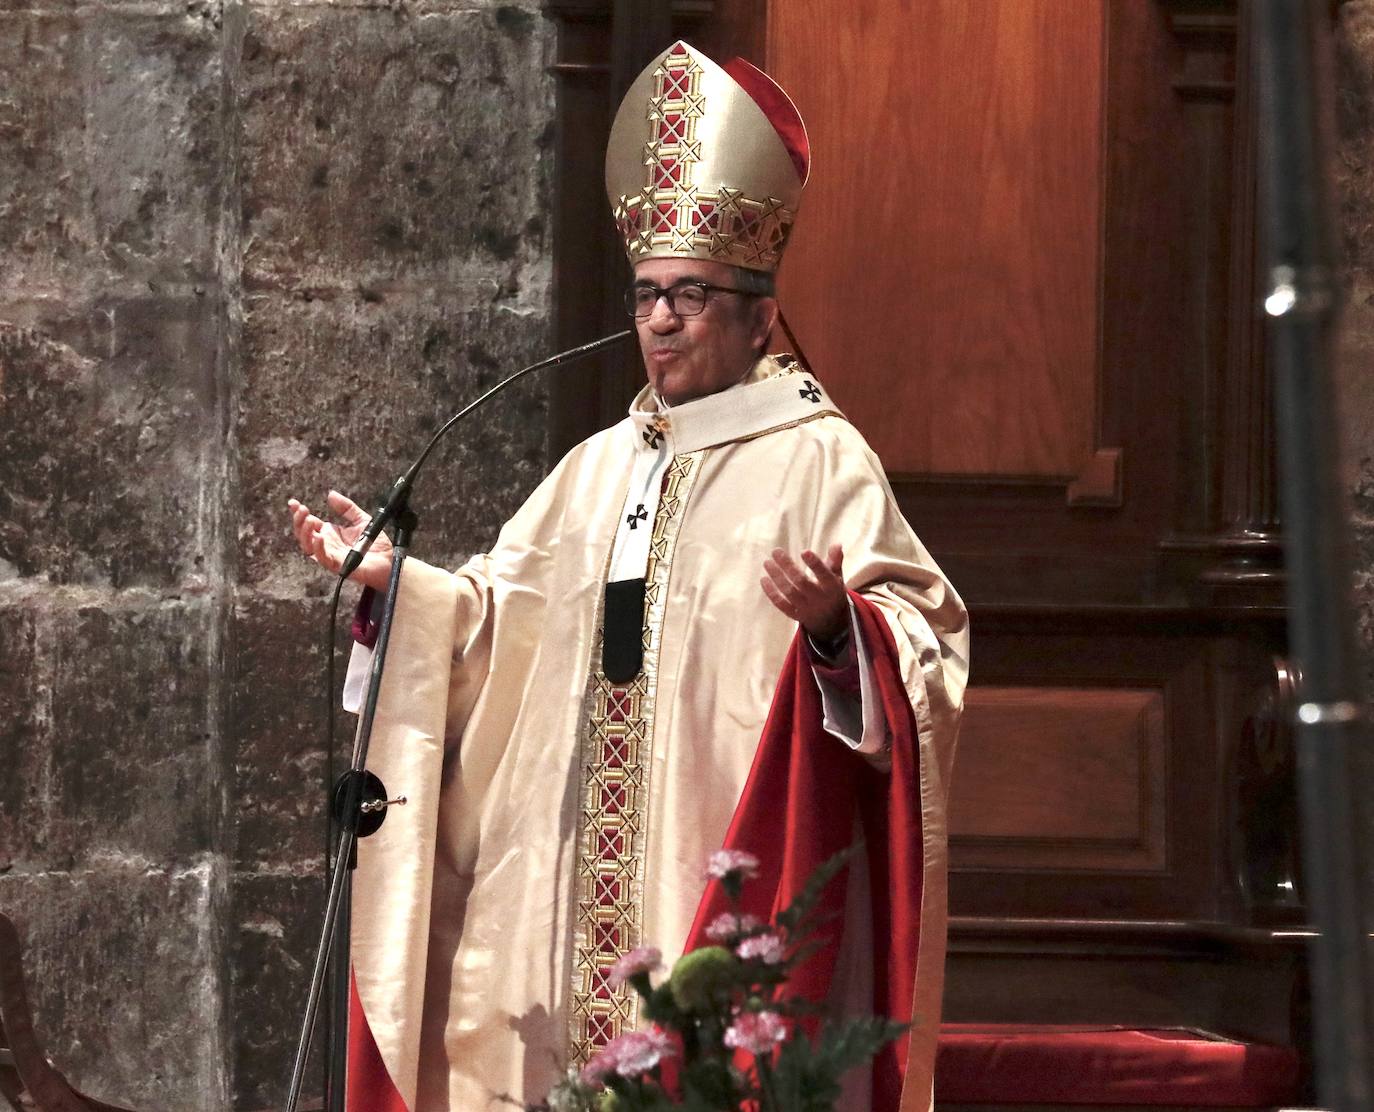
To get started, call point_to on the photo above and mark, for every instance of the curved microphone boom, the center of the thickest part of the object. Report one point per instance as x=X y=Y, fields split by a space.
x=347 y=801
x=400 y=489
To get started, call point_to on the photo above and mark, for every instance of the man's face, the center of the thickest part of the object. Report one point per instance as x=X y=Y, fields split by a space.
x=690 y=357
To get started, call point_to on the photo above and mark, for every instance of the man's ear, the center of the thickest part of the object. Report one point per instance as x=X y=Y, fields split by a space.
x=765 y=319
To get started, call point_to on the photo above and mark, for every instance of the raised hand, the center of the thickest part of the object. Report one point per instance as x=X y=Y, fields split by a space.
x=327 y=543
x=813 y=595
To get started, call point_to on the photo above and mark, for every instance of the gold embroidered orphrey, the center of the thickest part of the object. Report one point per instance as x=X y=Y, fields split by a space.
x=676 y=212
x=615 y=749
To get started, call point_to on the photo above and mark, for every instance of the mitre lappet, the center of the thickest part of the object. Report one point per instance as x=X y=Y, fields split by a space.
x=706 y=162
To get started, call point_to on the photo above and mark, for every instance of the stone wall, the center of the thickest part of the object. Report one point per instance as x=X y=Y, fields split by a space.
x=1354 y=174
x=246 y=251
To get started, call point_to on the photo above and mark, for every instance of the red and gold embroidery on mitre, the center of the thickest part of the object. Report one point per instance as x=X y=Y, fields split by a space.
x=706 y=162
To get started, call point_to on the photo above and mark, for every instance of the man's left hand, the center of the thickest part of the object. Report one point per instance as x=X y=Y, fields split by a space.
x=813 y=595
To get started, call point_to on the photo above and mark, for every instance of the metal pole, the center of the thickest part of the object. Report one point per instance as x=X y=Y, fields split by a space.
x=1300 y=303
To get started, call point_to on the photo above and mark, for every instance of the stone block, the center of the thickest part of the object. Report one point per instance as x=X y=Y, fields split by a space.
x=24 y=698
x=1354 y=97
x=393 y=144
x=1354 y=390
x=347 y=394
x=1363 y=596
x=111 y=159
x=104 y=729
x=111 y=442
x=274 y=933
x=277 y=798
x=123 y=971
x=133 y=770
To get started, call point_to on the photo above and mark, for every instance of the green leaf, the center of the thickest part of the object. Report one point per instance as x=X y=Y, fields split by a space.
x=791 y=916
x=790 y=1072
x=845 y=1045
x=660 y=1007
x=806 y=1077
x=711 y=1084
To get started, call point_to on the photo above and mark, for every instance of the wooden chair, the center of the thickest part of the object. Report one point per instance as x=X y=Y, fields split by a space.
x=28 y=1080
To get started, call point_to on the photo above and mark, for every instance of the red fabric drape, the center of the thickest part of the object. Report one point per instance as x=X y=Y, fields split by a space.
x=370 y=1088
x=798 y=809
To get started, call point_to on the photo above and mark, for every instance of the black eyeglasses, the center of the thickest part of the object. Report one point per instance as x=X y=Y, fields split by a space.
x=685 y=299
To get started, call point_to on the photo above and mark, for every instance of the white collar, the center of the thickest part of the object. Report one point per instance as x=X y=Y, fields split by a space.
x=773 y=394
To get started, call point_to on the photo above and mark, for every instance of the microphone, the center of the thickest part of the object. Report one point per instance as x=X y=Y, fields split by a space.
x=400 y=489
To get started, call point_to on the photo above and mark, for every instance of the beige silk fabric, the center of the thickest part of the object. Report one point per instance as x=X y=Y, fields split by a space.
x=465 y=916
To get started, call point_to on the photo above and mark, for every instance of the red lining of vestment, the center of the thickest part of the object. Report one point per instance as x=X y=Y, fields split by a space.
x=824 y=787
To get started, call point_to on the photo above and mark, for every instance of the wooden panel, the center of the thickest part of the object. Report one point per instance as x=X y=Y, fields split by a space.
x=1060 y=778
x=944 y=273
x=1016 y=543
x=1103 y=749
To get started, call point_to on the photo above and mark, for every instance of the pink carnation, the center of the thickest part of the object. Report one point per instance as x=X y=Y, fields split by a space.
x=638 y=1051
x=728 y=925
x=629 y=1055
x=642 y=959
x=725 y=861
x=756 y=1032
x=766 y=947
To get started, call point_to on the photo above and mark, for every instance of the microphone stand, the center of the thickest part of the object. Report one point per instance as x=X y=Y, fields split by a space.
x=1332 y=728
x=360 y=800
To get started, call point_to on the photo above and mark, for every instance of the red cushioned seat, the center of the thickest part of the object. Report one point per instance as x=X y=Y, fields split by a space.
x=1057 y=1064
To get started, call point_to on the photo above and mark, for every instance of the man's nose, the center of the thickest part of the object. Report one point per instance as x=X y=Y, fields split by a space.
x=663 y=319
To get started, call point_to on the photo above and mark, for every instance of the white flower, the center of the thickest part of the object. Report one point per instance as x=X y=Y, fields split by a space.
x=756 y=1032
x=767 y=948
x=642 y=959
x=726 y=861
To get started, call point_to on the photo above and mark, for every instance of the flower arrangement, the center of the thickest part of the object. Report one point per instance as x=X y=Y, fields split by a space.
x=721 y=1019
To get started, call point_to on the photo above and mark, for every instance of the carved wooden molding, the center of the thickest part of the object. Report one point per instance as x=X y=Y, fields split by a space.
x=1099 y=483
x=1201 y=19
x=1124 y=937
x=1206 y=29
x=1228 y=536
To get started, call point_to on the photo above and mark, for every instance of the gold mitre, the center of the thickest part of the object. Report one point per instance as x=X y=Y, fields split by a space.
x=706 y=162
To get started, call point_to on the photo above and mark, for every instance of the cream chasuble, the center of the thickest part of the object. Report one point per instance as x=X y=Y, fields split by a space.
x=557 y=819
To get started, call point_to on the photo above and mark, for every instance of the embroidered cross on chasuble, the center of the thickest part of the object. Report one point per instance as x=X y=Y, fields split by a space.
x=617 y=737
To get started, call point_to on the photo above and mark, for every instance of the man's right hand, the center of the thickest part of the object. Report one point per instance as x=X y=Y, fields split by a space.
x=327 y=544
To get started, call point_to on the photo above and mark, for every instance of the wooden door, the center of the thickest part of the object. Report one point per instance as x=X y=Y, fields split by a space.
x=1023 y=268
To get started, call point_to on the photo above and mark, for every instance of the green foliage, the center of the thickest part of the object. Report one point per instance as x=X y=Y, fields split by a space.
x=660 y=1007
x=710 y=1083
x=806 y=1076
